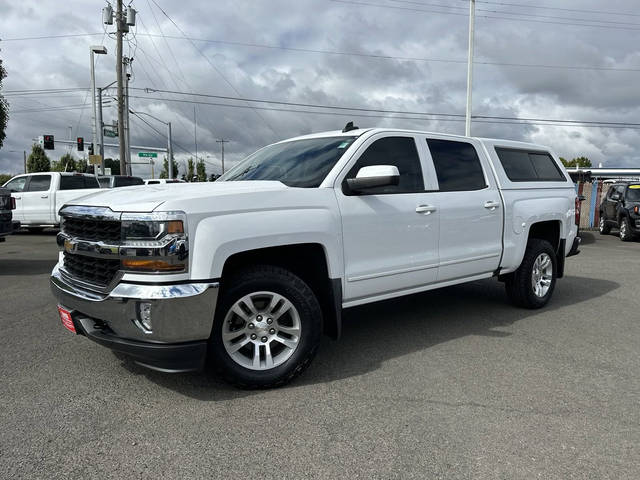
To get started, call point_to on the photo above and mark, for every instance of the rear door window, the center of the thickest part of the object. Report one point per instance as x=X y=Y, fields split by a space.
x=529 y=166
x=39 y=183
x=127 y=181
x=457 y=166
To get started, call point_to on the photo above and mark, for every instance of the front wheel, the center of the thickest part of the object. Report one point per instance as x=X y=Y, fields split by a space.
x=603 y=227
x=532 y=284
x=267 y=328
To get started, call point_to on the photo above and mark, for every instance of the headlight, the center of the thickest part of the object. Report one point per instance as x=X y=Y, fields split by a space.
x=154 y=243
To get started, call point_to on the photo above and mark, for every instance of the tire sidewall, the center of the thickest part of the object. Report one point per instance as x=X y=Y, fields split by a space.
x=310 y=327
x=624 y=226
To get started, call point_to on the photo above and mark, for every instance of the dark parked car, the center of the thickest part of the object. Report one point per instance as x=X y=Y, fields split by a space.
x=114 y=181
x=621 y=209
x=7 y=204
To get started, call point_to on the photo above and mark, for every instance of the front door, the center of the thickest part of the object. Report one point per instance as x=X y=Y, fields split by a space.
x=390 y=234
x=17 y=186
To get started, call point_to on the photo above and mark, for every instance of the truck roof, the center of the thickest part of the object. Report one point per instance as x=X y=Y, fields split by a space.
x=360 y=131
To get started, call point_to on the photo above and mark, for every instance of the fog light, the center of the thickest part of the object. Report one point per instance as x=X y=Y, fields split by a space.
x=144 y=317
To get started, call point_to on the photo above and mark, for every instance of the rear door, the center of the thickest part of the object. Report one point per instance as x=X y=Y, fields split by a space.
x=390 y=234
x=36 y=200
x=471 y=210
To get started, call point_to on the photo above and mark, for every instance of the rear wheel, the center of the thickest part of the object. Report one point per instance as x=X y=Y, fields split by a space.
x=625 y=230
x=267 y=328
x=532 y=285
x=603 y=227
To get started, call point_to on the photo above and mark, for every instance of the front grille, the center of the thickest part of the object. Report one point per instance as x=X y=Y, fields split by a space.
x=107 y=231
x=98 y=271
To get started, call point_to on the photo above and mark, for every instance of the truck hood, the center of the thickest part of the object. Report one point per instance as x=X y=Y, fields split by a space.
x=146 y=198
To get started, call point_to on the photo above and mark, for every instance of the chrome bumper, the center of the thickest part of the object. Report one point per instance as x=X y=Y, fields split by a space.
x=181 y=312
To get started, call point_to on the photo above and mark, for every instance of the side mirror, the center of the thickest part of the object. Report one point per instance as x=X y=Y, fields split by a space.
x=374 y=176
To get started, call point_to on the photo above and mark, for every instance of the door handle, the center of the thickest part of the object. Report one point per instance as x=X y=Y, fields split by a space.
x=425 y=209
x=44 y=196
x=490 y=205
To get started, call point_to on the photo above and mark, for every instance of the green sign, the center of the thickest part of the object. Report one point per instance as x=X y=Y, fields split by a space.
x=148 y=154
x=110 y=133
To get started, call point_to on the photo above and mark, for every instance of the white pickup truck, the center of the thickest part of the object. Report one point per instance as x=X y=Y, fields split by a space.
x=39 y=196
x=251 y=270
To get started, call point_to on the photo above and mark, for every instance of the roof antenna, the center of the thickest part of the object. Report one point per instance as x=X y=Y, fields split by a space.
x=349 y=126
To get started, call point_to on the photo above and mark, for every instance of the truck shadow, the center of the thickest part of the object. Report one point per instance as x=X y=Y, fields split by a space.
x=375 y=333
x=26 y=267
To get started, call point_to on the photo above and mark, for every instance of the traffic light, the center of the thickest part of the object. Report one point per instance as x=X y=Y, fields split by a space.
x=80 y=144
x=48 y=142
x=91 y=149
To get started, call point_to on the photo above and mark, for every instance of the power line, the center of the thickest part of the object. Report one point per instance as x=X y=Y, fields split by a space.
x=613 y=22
x=48 y=37
x=210 y=63
x=361 y=3
x=520 y=5
x=457 y=117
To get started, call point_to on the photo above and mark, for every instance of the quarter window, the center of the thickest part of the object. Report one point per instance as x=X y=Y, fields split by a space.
x=400 y=152
x=39 y=183
x=457 y=166
x=524 y=166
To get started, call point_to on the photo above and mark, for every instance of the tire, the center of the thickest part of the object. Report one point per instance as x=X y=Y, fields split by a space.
x=603 y=227
x=292 y=335
x=520 y=284
x=625 y=230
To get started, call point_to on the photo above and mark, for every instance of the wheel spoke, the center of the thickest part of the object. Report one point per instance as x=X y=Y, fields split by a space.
x=286 y=306
x=268 y=359
x=256 y=356
x=545 y=262
x=229 y=336
x=294 y=330
x=234 y=347
x=286 y=342
x=238 y=310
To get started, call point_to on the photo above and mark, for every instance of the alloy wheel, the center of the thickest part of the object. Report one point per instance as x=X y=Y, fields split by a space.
x=542 y=275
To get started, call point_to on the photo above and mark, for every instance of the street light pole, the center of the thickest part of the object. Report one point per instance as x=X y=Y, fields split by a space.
x=100 y=50
x=169 y=151
x=119 y=34
x=222 y=141
x=100 y=132
x=472 y=13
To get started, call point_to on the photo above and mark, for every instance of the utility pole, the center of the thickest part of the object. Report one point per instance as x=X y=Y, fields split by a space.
x=222 y=141
x=24 y=153
x=119 y=35
x=127 y=127
x=472 y=14
x=169 y=151
x=100 y=132
x=195 y=131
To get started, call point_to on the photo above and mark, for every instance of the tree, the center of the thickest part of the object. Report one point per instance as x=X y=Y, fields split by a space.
x=213 y=177
x=582 y=162
x=114 y=165
x=4 y=178
x=165 y=168
x=201 y=171
x=38 y=160
x=190 y=170
x=81 y=165
x=66 y=164
x=4 y=107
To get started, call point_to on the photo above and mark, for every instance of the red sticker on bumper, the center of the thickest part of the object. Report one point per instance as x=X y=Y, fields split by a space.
x=65 y=318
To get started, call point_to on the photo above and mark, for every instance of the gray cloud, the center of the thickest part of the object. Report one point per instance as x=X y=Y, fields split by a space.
x=175 y=64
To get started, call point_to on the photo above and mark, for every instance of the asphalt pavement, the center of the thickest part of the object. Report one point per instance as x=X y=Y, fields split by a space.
x=454 y=383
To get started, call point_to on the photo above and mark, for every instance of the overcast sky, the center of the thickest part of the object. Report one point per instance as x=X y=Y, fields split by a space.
x=606 y=89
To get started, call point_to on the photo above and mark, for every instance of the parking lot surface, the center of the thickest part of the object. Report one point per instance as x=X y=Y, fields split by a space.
x=454 y=383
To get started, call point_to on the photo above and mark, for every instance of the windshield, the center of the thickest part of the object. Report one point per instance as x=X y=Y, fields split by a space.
x=299 y=163
x=633 y=193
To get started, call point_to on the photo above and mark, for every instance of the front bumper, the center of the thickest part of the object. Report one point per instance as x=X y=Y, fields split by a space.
x=181 y=318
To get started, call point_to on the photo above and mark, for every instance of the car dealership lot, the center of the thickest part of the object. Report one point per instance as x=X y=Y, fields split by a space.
x=454 y=383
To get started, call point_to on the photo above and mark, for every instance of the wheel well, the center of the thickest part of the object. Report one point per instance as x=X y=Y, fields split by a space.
x=309 y=262
x=549 y=231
